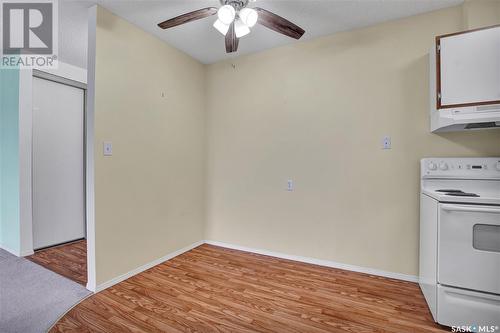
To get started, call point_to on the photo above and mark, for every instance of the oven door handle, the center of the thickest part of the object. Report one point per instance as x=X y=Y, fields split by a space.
x=457 y=208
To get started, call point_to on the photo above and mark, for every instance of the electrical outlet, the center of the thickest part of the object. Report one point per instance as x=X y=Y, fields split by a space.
x=386 y=142
x=107 y=148
x=289 y=186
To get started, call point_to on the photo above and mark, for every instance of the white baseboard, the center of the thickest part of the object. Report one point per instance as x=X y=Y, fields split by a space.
x=142 y=268
x=11 y=251
x=320 y=262
x=17 y=253
x=27 y=253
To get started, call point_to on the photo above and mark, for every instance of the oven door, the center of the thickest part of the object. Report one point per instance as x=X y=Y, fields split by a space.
x=469 y=247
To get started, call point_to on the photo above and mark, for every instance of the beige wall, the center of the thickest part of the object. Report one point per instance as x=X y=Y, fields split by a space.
x=149 y=194
x=480 y=13
x=316 y=112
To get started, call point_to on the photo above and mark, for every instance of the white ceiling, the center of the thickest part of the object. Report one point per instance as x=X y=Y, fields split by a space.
x=318 y=17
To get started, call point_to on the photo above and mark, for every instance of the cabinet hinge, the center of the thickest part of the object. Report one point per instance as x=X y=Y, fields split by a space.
x=439 y=96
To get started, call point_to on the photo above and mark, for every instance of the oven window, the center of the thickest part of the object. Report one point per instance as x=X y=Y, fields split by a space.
x=486 y=237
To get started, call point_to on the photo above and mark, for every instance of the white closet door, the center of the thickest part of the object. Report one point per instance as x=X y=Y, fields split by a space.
x=58 y=163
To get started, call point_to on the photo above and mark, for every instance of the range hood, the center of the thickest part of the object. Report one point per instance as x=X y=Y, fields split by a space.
x=465 y=118
x=465 y=81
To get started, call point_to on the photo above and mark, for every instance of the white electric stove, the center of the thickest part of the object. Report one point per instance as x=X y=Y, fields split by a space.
x=460 y=240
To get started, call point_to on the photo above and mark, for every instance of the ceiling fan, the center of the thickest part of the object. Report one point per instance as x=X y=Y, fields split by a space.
x=234 y=20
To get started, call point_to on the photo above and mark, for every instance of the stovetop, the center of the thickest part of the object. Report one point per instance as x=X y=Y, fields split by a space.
x=462 y=180
x=457 y=193
x=462 y=196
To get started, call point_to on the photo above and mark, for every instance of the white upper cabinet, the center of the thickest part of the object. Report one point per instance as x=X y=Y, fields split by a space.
x=468 y=68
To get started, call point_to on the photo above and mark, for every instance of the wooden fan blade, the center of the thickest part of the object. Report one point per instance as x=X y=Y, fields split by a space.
x=279 y=24
x=188 y=17
x=231 y=40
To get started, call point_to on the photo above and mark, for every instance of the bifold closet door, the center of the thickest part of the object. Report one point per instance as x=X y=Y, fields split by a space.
x=58 y=163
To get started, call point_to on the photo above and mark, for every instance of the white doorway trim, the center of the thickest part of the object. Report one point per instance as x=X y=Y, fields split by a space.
x=79 y=76
x=89 y=146
x=25 y=161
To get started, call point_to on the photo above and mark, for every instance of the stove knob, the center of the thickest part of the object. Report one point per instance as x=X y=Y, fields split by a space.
x=443 y=166
x=432 y=166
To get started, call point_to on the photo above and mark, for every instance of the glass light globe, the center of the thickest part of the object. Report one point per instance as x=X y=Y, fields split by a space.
x=226 y=14
x=221 y=27
x=240 y=29
x=249 y=16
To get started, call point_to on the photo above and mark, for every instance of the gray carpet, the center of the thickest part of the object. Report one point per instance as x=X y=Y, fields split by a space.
x=33 y=298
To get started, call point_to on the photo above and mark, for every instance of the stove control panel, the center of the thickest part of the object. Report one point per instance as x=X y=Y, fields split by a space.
x=484 y=168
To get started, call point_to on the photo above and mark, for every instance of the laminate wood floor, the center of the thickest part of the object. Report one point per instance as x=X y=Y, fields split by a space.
x=69 y=260
x=213 y=289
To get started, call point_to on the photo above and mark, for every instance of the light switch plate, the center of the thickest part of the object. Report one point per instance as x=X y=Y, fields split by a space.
x=289 y=185
x=386 y=142
x=107 y=148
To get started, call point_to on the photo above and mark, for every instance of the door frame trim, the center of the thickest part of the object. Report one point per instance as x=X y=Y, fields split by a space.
x=59 y=79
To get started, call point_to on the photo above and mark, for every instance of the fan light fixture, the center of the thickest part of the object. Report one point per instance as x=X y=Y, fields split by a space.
x=226 y=14
x=235 y=20
x=221 y=27
x=240 y=29
x=248 y=16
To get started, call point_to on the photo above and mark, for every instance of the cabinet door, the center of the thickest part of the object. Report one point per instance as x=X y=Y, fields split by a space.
x=469 y=68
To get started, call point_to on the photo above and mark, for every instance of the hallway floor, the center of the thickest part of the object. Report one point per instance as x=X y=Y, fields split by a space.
x=68 y=260
x=33 y=298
